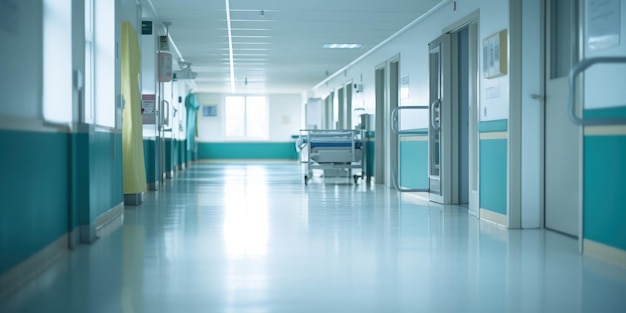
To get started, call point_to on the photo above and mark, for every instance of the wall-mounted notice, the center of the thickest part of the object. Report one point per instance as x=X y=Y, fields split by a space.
x=495 y=55
x=148 y=109
x=209 y=110
x=603 y=24
x=404 y=86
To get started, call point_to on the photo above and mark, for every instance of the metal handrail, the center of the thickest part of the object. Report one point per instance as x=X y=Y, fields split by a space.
x=394 y=119
x=573 y=74
x=394 y=127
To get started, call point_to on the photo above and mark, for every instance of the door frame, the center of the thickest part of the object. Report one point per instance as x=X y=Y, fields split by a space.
x=391 y=140
x=472 y=22
x=443 y=180
x=379 y=127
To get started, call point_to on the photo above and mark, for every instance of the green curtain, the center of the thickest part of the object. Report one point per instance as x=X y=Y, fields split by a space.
x=192 y=106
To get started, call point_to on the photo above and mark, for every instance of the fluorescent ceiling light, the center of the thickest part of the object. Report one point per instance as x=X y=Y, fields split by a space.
x=230 y=47
x=342 y=46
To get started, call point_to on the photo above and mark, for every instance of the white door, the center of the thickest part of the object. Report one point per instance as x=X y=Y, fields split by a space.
x=440 y=126
x=563 y=139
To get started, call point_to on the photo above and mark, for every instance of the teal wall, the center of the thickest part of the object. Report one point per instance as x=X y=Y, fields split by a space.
x=604 y=185
x=370 y=149
x=149 y=148
x=493 y=168
x=105 y=181
x=247 y=150
x=34 y=193
x=414 y=163
x=51 y=183
x=604 y=169
x=169 y=146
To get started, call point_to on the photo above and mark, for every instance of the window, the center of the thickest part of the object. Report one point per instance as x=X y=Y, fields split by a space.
x=246 y=117
x=104 y=62
x=88 y=106
x=57 y=61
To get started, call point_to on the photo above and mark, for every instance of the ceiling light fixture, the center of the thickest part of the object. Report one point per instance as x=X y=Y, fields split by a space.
x=342 y=46
x=230 y=47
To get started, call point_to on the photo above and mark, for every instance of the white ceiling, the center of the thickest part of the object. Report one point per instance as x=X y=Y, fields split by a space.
x=279 y=51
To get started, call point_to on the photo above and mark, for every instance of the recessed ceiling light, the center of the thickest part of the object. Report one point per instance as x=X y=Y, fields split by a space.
x=342 y=46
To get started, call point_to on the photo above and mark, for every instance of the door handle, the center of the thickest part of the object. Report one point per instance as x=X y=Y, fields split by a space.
x=435 y=106
x=394 y=120
x=166 y=112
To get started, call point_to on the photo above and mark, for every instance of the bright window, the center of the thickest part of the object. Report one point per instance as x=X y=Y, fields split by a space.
x=57 y=61
x=247 y=117
x=88 y=107
x=104 y=52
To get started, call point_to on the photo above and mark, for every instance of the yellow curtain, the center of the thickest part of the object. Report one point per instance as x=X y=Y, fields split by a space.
x=132 y=138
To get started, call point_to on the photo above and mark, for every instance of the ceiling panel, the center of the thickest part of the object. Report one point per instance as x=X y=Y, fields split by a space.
x=277 y=44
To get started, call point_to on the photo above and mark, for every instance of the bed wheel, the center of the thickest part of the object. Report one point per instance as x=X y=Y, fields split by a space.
x=356 y=178
x=306 y=179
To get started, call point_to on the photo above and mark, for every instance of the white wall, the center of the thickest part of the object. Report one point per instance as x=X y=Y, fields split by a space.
x=129 y=12
x=21 y=64
x=412 y=45
x=285 y=112
x=285 y=117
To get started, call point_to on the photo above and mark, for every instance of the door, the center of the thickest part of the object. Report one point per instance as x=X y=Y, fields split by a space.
x=393 y=92
x=461 y=115
x=562 y=138
x=439 y=139
x=379 y=127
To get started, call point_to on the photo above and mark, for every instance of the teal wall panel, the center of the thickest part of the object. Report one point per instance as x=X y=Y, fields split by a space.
x=175 y=154
x=105 y=180
x=81 y=177
x=609 y=112
x=34 y=193
x=370 y=149
x=493 y=126
x=149 y=160
x=414 y=164
x=247 y=150
x=493 y=175
x=168 y=154
x=369 y=157
x=604 y=186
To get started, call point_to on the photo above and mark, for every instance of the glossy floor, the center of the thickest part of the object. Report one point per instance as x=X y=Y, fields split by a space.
x=243 y=237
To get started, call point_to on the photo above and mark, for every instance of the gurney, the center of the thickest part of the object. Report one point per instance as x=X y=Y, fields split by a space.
x=331 y=150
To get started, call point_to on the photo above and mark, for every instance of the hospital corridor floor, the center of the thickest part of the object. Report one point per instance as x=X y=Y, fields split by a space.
x=251 y=237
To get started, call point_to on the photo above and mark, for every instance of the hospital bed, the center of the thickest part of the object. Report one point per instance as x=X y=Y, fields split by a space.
x=334 y=151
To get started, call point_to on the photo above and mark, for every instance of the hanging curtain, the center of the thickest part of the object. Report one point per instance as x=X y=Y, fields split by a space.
x=134 y=171
x=192 y=106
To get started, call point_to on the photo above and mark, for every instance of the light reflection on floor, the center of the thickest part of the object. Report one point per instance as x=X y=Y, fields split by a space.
x=243 y=237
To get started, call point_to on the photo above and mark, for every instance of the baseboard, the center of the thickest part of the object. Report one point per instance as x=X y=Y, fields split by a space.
x=493 y=217
x=89 y=233
x=109 y=215
x=604 y=252
x=24 y=272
